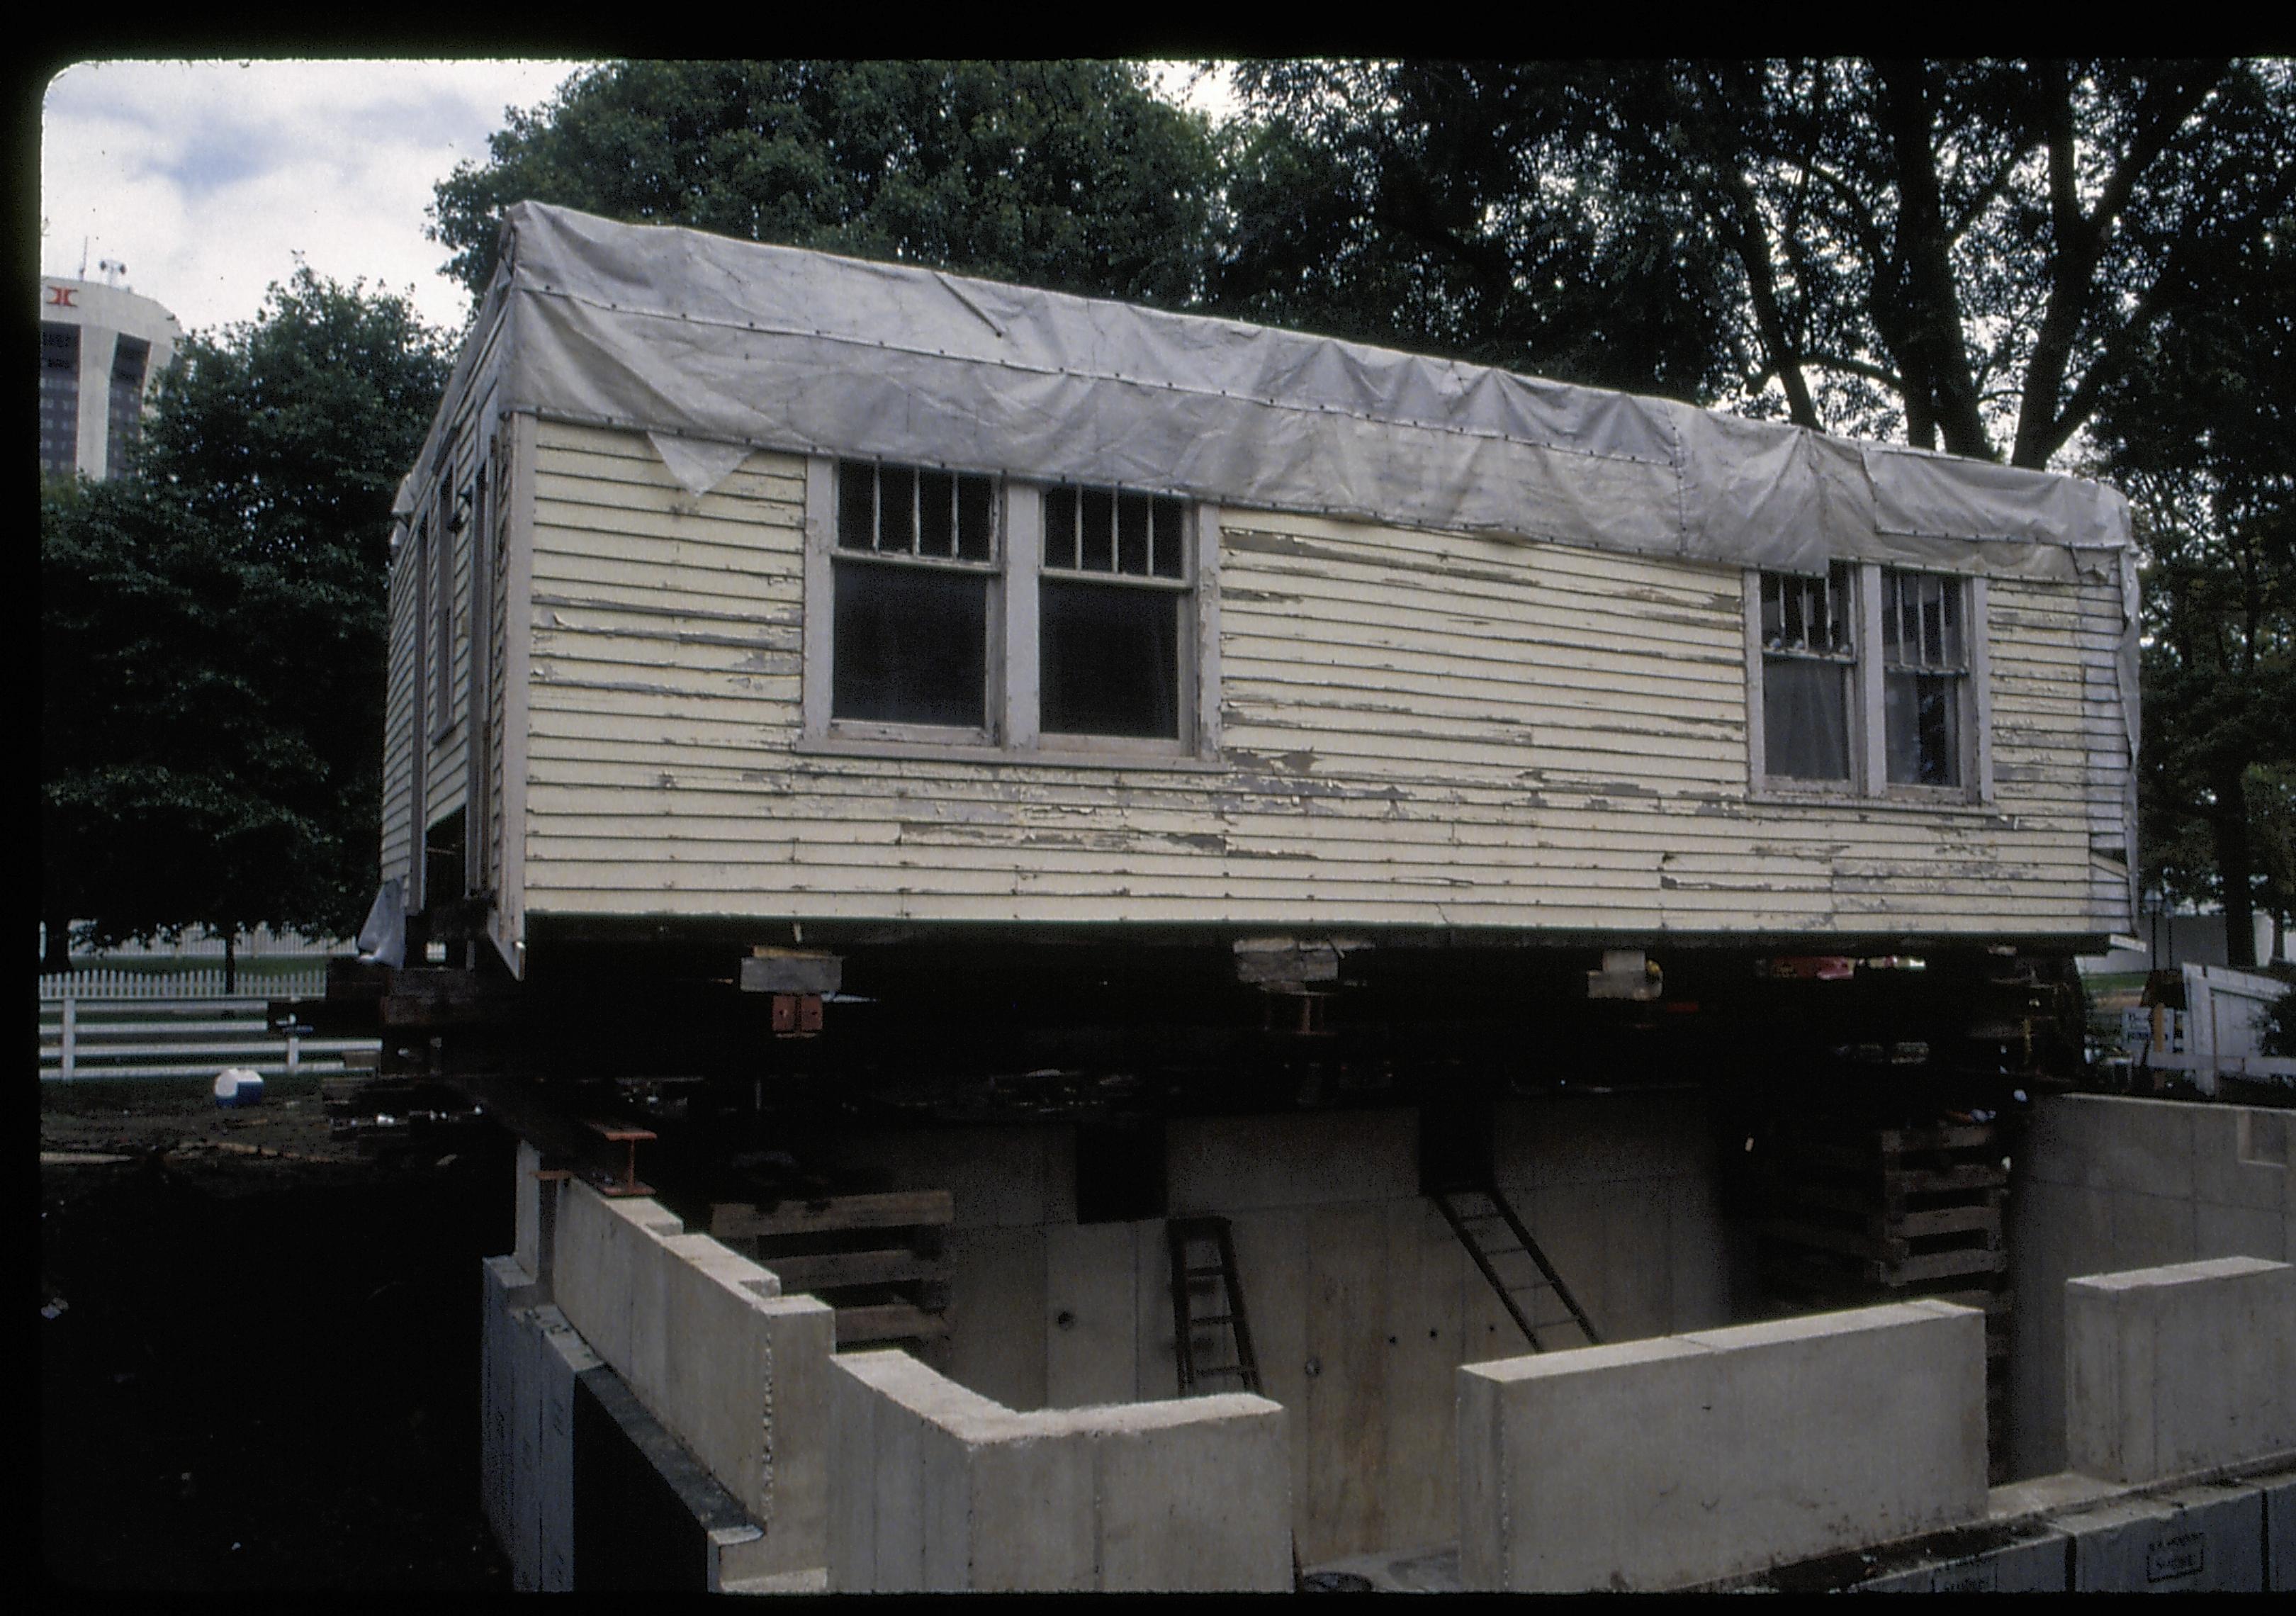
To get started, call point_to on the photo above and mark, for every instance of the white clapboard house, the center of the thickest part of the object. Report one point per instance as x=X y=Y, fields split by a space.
x=744 y=585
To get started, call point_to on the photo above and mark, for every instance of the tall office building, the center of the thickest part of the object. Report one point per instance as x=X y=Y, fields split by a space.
x=100 y=347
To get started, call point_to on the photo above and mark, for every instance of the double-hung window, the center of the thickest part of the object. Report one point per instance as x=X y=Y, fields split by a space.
x=1019 y=618
x=1810 y=676
x=1111 y=608
x=1924 y=677
x=1868 y=681
x=913 y=574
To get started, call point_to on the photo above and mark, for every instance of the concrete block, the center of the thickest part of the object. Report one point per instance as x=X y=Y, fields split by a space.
x=734 y=1371
x=996 y=1313
x=647 y=1514
x=2174 y=1370
x=2202 y=1538
x=2141 y=1146
x=2278 y=1491
x=1416 y=1468
x=2236 y=1161
x=1697 y=1257
x=1091 y=1322
x=2240 y=1231
x=2025 y=1559
x=936 y=1487
x=504 y=1288
x=1195 y=1494
x=2150 y=1230
x=561 y=1358
x=1638 y=1298
x=800 y=1335
x=1690 y=1458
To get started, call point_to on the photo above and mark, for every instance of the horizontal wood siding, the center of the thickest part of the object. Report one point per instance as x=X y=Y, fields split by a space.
x=1418 y=729
x=398 y=722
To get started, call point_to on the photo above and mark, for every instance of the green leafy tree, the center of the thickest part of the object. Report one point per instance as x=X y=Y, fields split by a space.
x=2202 y=434
x=1062 y=174
x=1968 y=254
x=212 y=630
x=1471 y=209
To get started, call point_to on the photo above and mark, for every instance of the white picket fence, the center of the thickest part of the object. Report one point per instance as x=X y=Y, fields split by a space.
x=205 y=982
x=121 y=1030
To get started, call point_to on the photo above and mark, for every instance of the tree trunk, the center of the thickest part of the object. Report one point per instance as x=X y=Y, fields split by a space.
x=2235 y=868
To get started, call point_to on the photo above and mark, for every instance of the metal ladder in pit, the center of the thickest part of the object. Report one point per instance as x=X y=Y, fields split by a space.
x=1203 y=1272
x=1489 y=1228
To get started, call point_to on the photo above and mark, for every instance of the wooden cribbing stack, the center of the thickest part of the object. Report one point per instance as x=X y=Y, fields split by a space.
x=877 y=1260
x=1859 y=1215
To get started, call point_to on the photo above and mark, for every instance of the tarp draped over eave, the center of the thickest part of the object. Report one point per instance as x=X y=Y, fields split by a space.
x=728 y=344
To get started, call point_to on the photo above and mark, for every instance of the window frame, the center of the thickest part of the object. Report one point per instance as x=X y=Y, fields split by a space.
x=1013 y=732
x=1869 y=774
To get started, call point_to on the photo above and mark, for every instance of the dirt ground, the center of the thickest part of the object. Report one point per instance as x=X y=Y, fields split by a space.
x=258 y=1344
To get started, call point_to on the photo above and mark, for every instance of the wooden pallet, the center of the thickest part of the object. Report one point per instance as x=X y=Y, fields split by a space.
x=1859 y=1217
x=877 y=1260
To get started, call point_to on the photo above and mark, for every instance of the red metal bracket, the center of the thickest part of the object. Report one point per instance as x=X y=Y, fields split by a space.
x=615 y=1133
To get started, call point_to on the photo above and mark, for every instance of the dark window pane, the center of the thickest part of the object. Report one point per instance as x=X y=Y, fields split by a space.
x=1110 y=662
x=936 y=513
x=911 y=645
x=1061 y=528
x=1805 y=718
x=1171 y=541
x=897 y=509
x=1922 y=728
x=1132 y=534
x=976 y=518
x=856 y=504
x=59 y=397
x=129 y=360
x=1098 y=543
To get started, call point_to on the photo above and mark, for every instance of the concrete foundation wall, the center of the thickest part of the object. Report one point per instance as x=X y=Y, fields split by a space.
x=2105 y=1184
x=1666 y=1463
x=2194 y=1539
x=1362 y=1303
x=735 y=1371
x=936 y=1487
x=2176 y=1370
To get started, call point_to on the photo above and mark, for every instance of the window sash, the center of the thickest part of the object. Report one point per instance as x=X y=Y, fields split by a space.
x=1909 y=649
x=1170 y=541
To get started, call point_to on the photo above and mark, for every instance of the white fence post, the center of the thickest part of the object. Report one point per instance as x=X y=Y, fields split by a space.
x=72 y=1019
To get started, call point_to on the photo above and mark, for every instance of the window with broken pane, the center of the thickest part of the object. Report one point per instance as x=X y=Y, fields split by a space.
x=1110 y=610
x=1809 y=663
x=1924 y=676
x=915 y=559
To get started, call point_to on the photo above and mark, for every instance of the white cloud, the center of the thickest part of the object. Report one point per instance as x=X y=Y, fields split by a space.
x=206 y=179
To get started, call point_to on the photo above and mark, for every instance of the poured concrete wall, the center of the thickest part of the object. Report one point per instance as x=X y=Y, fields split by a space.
x=2105 y=1184
x=2176 y=1370
x=735 y=1371
x=936 y=1487
x=1362 y=1303
x=1694 y=1457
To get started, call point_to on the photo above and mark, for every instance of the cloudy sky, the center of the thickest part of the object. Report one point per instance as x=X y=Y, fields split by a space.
x=205 y=178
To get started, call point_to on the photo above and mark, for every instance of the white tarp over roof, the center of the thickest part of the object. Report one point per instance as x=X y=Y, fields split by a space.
x=714 y=345
x=703 y=336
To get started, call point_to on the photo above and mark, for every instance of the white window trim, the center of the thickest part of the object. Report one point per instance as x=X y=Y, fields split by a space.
x=1869 y=780
x=1015 y=735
